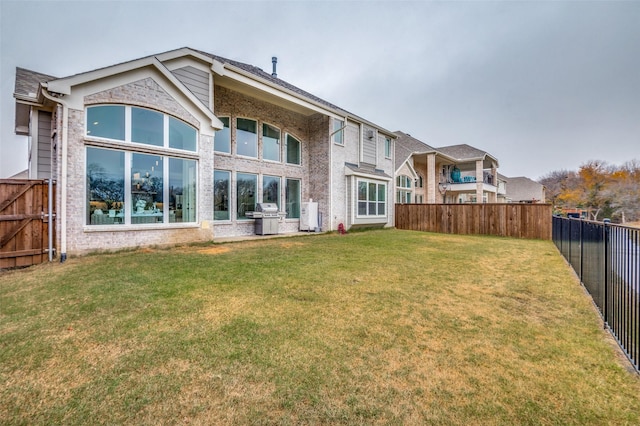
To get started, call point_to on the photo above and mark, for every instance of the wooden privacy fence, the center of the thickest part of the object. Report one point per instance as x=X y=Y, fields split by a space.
x=24 y=222
x=507 y=220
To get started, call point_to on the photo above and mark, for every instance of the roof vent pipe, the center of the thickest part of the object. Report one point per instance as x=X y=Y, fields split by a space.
x=274 y=61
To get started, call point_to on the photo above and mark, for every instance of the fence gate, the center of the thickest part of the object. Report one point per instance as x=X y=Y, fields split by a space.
x=24 y=222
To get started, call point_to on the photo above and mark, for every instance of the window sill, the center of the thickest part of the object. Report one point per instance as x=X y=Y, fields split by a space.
x=129 y=228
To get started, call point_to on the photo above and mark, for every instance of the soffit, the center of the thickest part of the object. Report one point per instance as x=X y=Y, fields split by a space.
x=262 y=95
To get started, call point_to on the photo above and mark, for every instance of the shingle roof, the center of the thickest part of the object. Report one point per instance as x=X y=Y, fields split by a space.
x=462 y=152
x=370 y=170
x=407 y=145
x=259 y=72
x=27 y=82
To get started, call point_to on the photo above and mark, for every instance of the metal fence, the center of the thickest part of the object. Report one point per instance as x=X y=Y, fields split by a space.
x=606 y=257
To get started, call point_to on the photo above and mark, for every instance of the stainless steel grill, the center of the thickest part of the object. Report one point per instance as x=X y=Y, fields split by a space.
x=266 y=218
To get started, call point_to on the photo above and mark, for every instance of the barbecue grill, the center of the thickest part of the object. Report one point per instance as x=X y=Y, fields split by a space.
x=266 y=218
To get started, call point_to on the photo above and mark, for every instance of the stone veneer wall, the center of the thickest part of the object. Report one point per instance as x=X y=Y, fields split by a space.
x=83 y=239
x=313 y=134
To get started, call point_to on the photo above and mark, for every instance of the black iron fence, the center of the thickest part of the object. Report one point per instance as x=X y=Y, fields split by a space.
x=606 y=257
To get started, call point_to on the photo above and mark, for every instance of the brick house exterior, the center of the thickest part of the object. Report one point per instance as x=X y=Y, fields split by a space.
x=179 y=146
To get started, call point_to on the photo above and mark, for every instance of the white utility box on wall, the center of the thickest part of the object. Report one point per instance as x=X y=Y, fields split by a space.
x=309 y=216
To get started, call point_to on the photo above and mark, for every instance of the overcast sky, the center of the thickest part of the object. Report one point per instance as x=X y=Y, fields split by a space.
x=541 y=86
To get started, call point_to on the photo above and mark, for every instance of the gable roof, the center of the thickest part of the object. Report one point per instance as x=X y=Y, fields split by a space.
x=406 y=145
x=28 y=83
x=31 y=79
x=463 y=152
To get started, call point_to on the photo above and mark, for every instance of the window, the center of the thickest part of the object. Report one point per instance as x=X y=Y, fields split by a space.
x=147 y=127
x=292 y=198
x=371 y=198
x=105 y=186
x=146 y=188
x=387 y=147
x=403 y=181
x=246 y=137
x=221 y=187
x=106 y=121
x=246 y=186
x=182 y=190
x=140 y=125
x=293 y=150
x=152 y=179
x=270 y=143
x=420 y=182
x=338 y=132
x=181 y=135
x=222 y=142
x=403 y=189
x=271 y=190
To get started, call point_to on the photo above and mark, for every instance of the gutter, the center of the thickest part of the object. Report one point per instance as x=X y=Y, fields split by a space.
x=63 y=172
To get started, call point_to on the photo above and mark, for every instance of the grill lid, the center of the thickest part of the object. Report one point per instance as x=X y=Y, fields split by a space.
x=267 y=207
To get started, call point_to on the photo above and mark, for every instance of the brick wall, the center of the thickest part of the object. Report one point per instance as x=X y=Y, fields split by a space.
x=82 y=239
x=313 y=134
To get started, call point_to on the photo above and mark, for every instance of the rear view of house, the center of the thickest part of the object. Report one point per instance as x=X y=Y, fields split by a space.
x=182 y=146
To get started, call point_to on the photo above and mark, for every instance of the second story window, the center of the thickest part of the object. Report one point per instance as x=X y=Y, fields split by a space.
x=222 y=142
x=246 y=137
x=140 y=125
x=338 y=132
x=270 y=143
x=293 y=150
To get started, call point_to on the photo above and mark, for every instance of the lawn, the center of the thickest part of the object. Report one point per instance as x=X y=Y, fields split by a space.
x=378 y=327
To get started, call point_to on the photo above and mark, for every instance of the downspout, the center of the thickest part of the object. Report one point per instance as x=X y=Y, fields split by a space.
x=330 y=209
x=50 y=214
x=63 y=173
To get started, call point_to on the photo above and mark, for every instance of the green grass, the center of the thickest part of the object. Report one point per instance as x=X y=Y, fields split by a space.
x=378 y=327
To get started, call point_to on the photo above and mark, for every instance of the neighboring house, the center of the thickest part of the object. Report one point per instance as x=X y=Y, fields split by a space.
x=181 y=146
x=524 y=190
x=450 y=174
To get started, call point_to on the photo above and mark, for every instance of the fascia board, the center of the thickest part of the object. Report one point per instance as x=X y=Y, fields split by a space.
x=251 y=80
x=183 y=52
x=64 y=85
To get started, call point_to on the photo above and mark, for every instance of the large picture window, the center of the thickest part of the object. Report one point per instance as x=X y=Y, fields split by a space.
x=293 y=150
x=182 y=190
x=246 y=137
x=106 y=121
x=371 y=198
x=292 y=198
x=160 y=189
x=246 y=186
x=270 y=143
x=147 y=127
x=105 y=186
x=221 y=192
x=271 y=190
x=222 y=142
x=140 y=125
x=146 y=188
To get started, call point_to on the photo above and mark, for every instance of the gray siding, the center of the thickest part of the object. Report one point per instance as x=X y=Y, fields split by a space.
x=197 y=82
x=369 y=145
x=44 y=145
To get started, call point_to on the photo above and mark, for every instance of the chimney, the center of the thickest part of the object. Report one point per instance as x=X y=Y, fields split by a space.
x=274 y=61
